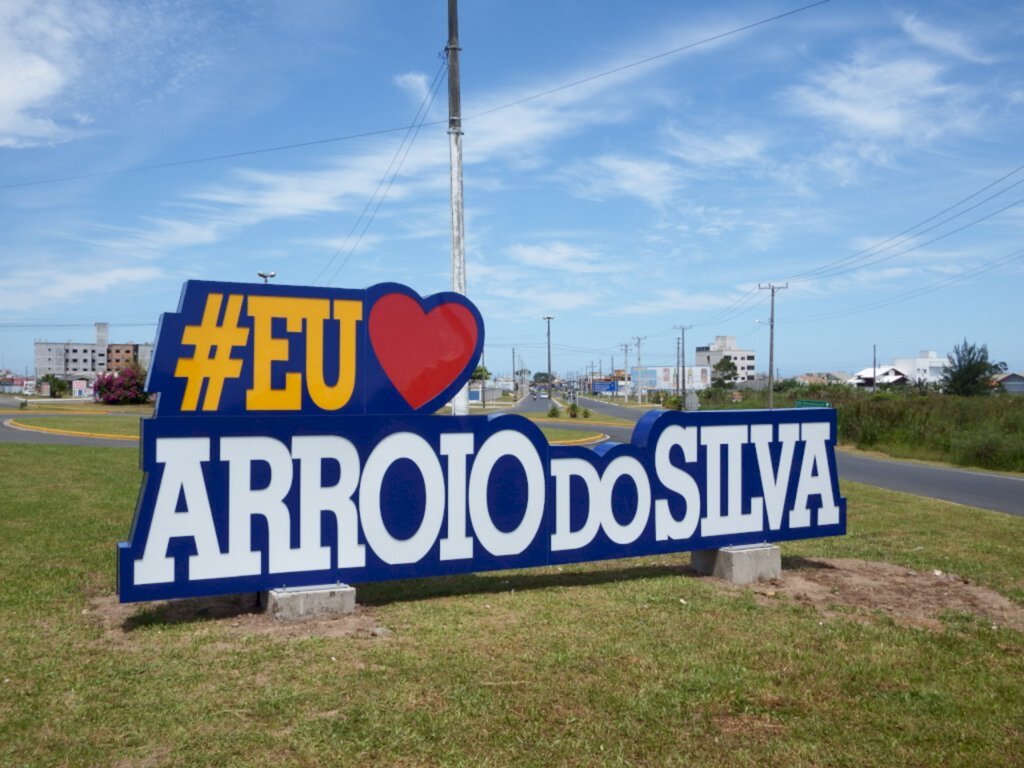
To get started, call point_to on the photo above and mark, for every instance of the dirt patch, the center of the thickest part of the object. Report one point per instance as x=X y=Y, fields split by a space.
x=908 y=597
x=232 y=614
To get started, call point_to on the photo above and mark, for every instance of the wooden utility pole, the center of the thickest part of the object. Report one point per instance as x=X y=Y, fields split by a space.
x=460 y=403
x=771 y=339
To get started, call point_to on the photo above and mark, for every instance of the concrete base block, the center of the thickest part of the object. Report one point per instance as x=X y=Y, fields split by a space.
x=294 y=603
x=739 y=565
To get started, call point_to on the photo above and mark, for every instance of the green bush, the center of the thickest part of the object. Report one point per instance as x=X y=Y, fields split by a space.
x=586 y=413
x=553 y=412
x=574 y=410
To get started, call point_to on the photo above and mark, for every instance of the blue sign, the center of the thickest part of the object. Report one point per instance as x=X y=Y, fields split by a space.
x=252 y=483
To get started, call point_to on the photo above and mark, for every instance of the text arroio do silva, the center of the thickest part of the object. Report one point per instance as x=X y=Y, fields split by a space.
x=290 y=448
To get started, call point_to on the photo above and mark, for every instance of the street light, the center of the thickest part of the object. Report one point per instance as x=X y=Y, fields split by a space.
x=267 y=275
x=549 y=318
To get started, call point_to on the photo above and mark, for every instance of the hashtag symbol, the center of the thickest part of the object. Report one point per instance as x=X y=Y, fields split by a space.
x=211 y=361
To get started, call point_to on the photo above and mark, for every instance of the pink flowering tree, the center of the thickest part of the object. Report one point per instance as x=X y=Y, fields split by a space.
x=125 y=387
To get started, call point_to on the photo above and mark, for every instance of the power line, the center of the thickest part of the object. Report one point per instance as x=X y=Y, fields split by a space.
x=406 y=145
x=837 y=265
x=397 y=129
x=914 y=293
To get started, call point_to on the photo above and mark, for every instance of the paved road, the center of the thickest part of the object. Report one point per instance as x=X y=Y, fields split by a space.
x=977 y=489
x=1001 y=493
x=10 y=434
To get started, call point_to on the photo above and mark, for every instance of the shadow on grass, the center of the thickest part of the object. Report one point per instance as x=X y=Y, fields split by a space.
x=384 y=592
x=193 y=609
x=200 y=609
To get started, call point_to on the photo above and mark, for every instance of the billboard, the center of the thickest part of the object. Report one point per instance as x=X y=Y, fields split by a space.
x=666 y=377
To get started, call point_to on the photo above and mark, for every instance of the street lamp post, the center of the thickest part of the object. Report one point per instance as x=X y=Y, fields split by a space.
x=266 y=276
x=549 y=318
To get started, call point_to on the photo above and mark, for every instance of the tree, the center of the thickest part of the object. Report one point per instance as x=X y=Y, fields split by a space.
x=540 y=378
x=969 y=372
x=481 y=373
x=723 y=373
x=58 y=387
x=125 y=387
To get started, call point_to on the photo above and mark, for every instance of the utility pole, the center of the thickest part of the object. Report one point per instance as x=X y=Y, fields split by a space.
x=460 y=403
x=549 y=318
x=639 y=374
x=515 y=380
x=874 y=368
x=682 y=361
x=771 y=339
x=625 y=365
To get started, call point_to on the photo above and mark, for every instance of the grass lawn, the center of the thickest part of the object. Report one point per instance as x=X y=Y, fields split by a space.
x=556 y=435
x=114 y=424
x=616 y=663
x=60 y=405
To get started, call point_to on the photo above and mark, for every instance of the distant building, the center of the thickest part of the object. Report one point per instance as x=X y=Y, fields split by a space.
x=71 y=360
x=876 y=375
x=927 y=366
x=1012 y=382
x=725 y=347
x=825 y=378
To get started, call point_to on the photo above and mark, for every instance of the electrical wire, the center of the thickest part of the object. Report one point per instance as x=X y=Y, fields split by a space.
x=914 y=293
x=399 y=157
x=397 y=129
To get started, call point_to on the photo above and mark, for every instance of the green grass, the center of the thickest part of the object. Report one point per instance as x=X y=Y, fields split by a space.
x=554 y=434
x=59 y=405
x=598 y=664
x=115 y=424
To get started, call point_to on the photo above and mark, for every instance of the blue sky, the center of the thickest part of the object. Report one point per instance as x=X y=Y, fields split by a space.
x=866 y=153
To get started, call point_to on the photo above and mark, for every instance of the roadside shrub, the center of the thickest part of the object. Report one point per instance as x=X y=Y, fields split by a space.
x=586 y=413
x=574 y=410
x=553 y=412
x=989 y=448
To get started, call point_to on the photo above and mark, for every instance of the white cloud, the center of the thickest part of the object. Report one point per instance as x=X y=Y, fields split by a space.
x=873 y=98
x=610 y=176
x=33 y=289
x=562 y=256
x=707 y=149
x=942 y=40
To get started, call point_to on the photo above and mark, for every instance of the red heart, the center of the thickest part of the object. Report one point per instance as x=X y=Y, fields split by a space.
x=421 y=352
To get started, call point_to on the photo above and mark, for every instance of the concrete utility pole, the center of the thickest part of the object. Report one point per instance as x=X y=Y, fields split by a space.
x=874 y=368
x=682 y=361
x=515 y=379
x=639 y=374
x=771 y=339
x=549 y=318
x=460 y=403
x=625 y=364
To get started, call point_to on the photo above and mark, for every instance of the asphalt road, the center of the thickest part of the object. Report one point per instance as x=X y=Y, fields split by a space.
x=1002 y=493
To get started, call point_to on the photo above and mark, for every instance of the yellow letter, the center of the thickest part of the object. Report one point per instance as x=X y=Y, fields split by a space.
x=268 y=350
x=348 y=313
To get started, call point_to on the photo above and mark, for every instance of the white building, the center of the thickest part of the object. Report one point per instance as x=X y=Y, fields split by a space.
x=927 y=366
x=73 y=359
x=725 y=346
x=85 y=360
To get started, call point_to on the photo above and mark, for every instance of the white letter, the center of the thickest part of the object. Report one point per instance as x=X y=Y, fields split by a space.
x=401 y=445
x=733 y=521
x=517 y=445
x=314 y=498
x=456 y=545
x=774 y=485
x=815 y=435
x=625 y=466
x=563 y=471
x=244 y=502
x=182 y=458
x=678 y=481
